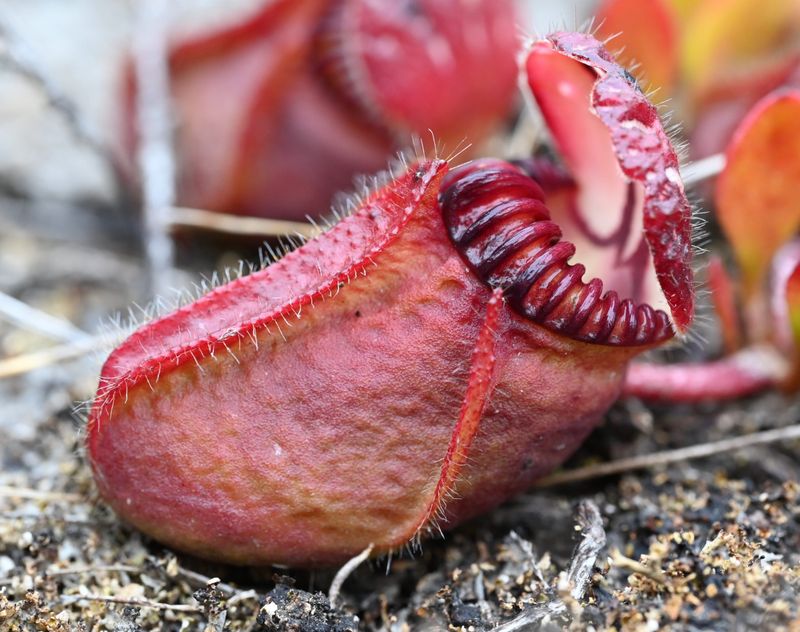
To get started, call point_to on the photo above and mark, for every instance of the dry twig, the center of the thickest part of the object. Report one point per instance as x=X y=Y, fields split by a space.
x=127 y=601
x=155 y=155
x=700 y=170
x=81 y=570
x=199 y=581
x=667 y=457
x=23 y=315
x=530 y=618
x=24 y=493
x=236 y=225
x=344 y=572
x=24 y=363
x=625 y=563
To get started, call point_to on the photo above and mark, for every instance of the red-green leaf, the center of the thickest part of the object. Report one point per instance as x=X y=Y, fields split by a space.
x=785 y=299
x=647 y=34
x=756 y=197
x=723 y=298
x=722 y=37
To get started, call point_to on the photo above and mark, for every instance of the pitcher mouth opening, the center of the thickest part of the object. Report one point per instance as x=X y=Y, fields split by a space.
x=497 y=217
x=615 y=204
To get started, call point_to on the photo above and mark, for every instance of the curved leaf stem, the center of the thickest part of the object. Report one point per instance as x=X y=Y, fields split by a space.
x=743 y=373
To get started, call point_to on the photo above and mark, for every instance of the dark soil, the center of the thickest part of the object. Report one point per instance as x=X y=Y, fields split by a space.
x=712 y=544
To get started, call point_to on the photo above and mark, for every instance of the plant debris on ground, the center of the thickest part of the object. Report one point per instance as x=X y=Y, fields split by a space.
x=711 y=544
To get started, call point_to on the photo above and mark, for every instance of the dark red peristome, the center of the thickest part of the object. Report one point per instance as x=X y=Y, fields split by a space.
x=497 y=218
x=641 y=149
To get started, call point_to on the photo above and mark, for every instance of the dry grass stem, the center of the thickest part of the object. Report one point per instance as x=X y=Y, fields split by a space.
x=236 y=225
x=22 y=315
x=140 y=603
x=667 y=457
x=632 y=566
x=24 y=493
x=24 y=363
x=117 y=568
